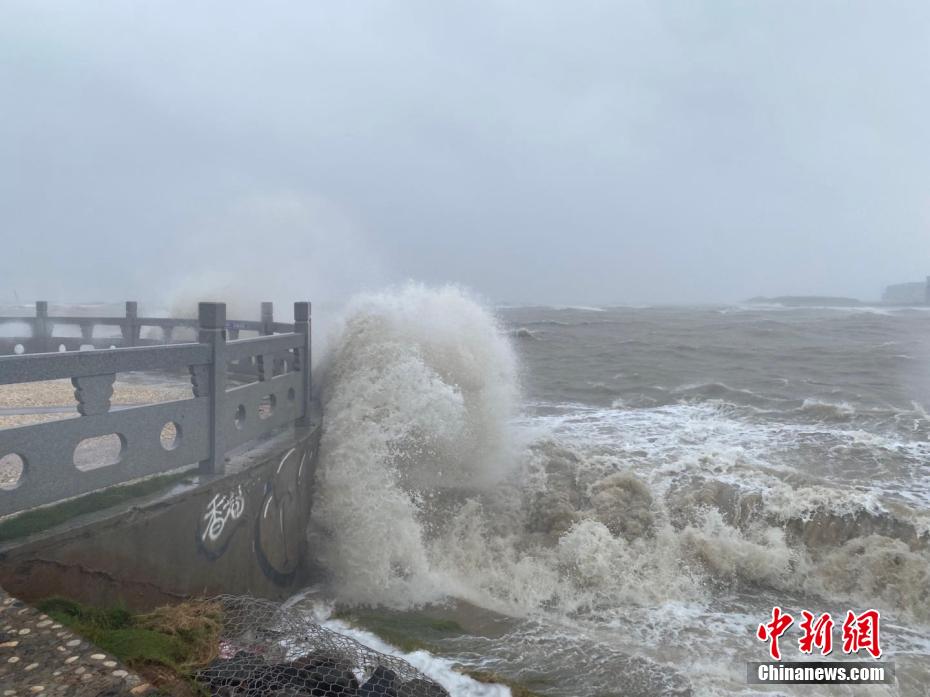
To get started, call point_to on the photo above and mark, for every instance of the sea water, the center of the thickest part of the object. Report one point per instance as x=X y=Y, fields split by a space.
x=611 y=500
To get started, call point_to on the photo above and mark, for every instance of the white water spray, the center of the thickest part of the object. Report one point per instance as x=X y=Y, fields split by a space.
x=418 y=390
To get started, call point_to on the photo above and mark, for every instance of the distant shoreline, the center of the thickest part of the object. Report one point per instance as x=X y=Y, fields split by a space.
x=819 y=301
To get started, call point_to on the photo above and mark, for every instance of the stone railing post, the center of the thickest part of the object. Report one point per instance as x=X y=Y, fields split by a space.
x=212 y=320
x=302 y=326
x=131 y=326
x=42 y=333
x=267 y=319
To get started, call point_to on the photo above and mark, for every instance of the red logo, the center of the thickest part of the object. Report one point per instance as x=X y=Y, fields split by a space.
x=774 y=629
x=859 y=632
x=819 y=633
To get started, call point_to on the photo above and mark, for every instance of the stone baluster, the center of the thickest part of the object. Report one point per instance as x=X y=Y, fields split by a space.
x=212 y=321
x=131 y=327
x=42 y=330
x=302 y=357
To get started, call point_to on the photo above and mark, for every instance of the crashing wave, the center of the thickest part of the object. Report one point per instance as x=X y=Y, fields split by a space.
x=427 y=490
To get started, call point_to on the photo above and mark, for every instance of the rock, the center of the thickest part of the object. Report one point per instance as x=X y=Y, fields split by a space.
x=382 y=683
x=230 y=672
x=331 y=670
x=422 y=688
x=286 y=679
x=248 y=675
x=274 y=679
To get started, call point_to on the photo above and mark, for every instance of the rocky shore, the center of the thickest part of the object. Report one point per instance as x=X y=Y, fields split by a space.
x=247 y=674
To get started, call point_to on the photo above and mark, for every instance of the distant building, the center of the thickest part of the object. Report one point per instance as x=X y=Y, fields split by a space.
x=917 y=293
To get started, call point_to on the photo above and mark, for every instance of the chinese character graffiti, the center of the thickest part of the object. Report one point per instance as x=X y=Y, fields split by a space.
x=221 y=509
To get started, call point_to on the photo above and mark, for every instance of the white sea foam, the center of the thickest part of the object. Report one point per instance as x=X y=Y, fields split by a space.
x=440 y=669
x=418 y=391
x=580 y=308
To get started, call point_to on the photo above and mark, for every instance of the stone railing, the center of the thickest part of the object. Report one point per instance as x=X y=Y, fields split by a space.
x=102 y=447
x=45 y=333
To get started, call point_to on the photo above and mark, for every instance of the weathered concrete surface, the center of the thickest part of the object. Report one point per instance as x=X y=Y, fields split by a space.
x=243 y=532
x=40 y=657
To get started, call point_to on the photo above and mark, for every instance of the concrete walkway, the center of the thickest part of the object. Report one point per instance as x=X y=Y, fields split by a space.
x=40 y=657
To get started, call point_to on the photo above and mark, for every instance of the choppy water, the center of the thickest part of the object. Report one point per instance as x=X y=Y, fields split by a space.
x=626 y=493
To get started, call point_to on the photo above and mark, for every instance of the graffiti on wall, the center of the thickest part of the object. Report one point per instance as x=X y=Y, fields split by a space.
x=280 y=528
x=278 y=510
x=221 y=509
x=220 y=520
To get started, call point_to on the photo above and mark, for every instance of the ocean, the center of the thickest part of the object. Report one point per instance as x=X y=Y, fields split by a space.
x=610 y=501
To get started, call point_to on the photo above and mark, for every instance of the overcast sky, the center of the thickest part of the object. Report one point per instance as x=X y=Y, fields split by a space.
x=537 y=152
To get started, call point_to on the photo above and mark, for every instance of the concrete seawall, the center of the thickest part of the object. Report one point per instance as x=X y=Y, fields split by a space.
x=243 y=532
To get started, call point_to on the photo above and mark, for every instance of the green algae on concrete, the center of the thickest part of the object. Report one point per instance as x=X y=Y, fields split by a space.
x=407 y=631
x=46 y=517
x=488 y=677
x=417 y=631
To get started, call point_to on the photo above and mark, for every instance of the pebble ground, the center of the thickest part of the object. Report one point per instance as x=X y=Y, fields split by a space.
x=38 y=656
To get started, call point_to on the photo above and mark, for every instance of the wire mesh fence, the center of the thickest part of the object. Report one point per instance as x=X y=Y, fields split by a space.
x=267 y=650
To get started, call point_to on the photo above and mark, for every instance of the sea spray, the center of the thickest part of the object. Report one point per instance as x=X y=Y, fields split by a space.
x=418 y=391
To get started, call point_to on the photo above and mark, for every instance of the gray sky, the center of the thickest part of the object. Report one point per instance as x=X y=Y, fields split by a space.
x=551 y=152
